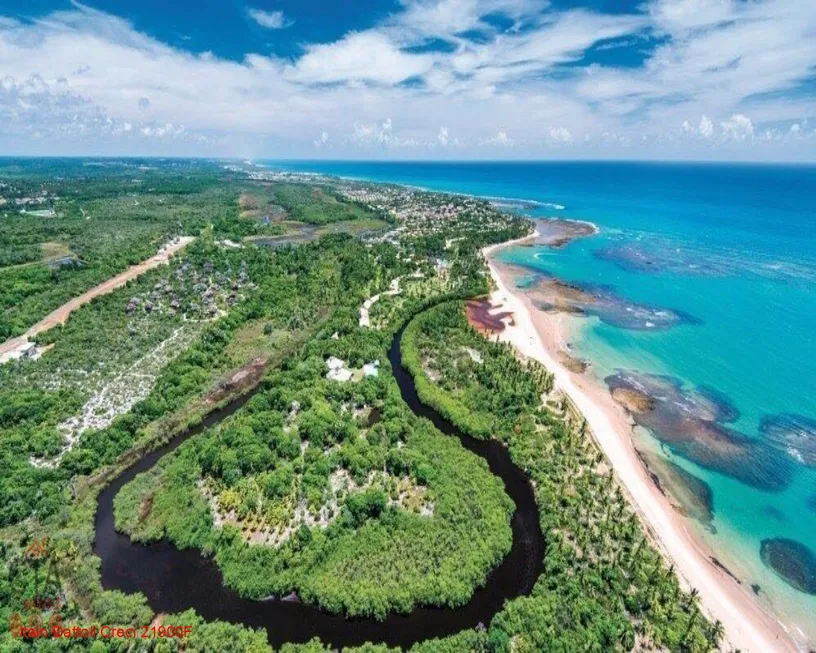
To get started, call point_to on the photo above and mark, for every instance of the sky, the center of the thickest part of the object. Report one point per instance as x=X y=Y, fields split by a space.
x=410 y=79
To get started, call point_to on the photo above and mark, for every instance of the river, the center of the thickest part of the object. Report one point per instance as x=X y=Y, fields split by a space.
x=174 y=580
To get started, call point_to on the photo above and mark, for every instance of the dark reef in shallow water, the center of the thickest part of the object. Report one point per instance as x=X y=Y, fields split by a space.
x=655 y=255
x=792 y=561
x=774 y=513
x=558 y=232
x=793 y=434
x=691 y=423
x=635 y=257
x=551 y=294
x=689 y=494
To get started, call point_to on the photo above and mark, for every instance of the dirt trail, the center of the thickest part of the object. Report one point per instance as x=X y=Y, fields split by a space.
x=60 y=315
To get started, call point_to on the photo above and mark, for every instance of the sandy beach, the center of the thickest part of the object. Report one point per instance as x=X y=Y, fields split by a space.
x=544 y=337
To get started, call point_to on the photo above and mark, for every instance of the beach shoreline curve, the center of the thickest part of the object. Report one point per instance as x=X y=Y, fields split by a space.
x=534 y=334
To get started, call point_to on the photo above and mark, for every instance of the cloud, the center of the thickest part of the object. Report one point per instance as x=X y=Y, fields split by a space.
x=443 y=137
x=168 y=130
x=560 y=135
x=381 y=135
x=363 y=56
x=269 y=19
x=706 y=127
x=673 y=16
x=499 y=140
x=738 y=127
x=77 y=77
x=705 y=130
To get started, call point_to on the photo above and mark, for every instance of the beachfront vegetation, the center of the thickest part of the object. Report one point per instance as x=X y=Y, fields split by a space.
x=604 y=586
x=475 y=383
x=326 y=485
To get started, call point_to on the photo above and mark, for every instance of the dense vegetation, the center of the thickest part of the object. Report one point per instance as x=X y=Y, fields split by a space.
x=105 y=218
x=78 y=226
x=397 y=514
x=603 y=585
x=475 y=383
x=318 y=205
x=328 y=487
x=99 y=346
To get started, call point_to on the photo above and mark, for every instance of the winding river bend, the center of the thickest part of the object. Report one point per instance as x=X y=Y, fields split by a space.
x=174 y=580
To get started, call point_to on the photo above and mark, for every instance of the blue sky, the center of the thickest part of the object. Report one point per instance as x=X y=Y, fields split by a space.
x=411 y=79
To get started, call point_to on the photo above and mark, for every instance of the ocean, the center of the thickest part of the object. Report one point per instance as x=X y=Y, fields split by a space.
x=706 y=275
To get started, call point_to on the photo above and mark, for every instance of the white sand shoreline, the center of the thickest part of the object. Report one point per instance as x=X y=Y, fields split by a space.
x=535 y=334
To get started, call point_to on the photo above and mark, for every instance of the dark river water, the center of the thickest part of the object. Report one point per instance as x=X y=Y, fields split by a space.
x=174 y=580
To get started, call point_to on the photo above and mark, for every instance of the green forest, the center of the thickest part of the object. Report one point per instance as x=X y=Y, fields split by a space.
x=378 y=552
x=324 y=483
x=604 y=586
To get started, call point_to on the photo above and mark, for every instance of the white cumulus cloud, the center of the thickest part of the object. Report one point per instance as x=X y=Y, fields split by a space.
x=363 y=56
x=443 y=136
x=269 y=19
x=706 y=127
x=704 y=130
x=738 y=127
x=501 y=139
x=561 y=135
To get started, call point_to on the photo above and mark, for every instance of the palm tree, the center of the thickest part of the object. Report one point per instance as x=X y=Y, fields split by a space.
x=717 y=632
x=691 y=623
x=693 y=597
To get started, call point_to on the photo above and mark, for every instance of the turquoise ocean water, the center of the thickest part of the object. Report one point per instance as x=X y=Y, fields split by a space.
x=732 y=248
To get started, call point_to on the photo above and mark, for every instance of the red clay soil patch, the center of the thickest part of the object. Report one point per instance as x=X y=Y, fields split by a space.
x=481 y=319
x=244 y=378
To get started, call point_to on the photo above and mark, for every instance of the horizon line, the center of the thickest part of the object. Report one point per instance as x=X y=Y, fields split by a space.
x=244 y=159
